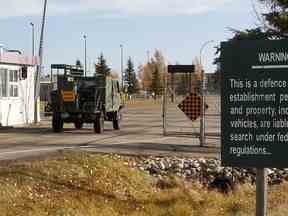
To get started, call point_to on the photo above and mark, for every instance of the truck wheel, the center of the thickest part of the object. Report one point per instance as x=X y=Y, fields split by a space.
x=116 y=120
x=78 y=125
x=57 y=122
x=99 y=124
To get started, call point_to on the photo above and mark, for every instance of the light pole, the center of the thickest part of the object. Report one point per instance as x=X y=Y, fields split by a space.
x=148 y=56
x=39 y=67
x=33 y=39
x=202 y=120
x=122 y=67
x=85 y=47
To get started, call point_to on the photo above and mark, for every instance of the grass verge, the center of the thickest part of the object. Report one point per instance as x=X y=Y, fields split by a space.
x=93 y=184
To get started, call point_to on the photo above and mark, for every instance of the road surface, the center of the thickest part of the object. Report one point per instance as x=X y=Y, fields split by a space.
x=141 y=134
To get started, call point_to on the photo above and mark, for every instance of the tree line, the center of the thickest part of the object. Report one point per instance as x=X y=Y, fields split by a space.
x=147 y=78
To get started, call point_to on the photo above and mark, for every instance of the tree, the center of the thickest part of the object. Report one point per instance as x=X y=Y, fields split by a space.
x=156 y=81
x=277 y=17
x=132 y=81
x=146 y=77
x=274 y=23
x=101 y=67
x=158 y=69
x=153 y=74
x=78 y=63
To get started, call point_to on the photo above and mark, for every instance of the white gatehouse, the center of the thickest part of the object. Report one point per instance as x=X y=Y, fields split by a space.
x=17 y=87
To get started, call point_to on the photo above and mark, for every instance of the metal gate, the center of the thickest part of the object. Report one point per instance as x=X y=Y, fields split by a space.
x=175 y=123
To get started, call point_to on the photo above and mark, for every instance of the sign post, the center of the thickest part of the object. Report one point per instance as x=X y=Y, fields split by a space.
x=261 y=192
x=254 y=106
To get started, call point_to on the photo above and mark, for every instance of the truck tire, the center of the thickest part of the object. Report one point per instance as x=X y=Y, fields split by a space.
x=78 y=125
x=99 y=124
x=116 y=120
x=57 y=122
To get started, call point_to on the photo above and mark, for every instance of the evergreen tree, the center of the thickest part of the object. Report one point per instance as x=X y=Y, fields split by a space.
x=78 y=63
x=158 y=67
x=133 y=85
x=101 y=67
x=277 y=17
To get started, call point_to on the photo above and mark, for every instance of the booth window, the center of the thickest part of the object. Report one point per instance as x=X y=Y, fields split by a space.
x=3 y=82
x=13 y=83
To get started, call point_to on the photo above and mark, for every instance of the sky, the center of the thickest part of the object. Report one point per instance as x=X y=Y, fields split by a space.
x=178 y=28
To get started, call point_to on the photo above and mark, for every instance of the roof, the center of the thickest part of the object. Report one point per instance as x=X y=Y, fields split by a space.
x=17 y=59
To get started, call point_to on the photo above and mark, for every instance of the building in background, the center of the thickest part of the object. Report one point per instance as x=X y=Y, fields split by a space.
x=17 y=87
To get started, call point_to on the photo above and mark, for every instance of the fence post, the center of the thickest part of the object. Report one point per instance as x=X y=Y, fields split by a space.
x=202 y=120
x=164 y=106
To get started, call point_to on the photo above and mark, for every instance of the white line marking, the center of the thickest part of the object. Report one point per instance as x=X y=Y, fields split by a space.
x=255 y=67
x=30 y=150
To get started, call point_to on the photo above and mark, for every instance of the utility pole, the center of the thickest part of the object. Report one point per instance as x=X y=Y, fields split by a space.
x=148 y=56
x=33 y=39
x=39 y=67
x=85 y=47
x=122 y=67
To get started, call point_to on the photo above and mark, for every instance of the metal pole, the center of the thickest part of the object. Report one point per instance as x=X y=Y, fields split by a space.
x=39 y=67
x=202 y=120
x=261 y=192
x=148 y=56
x=122 y=67
x=164 y=111
x=85 y=47
x=33 y=39
x=173 y=87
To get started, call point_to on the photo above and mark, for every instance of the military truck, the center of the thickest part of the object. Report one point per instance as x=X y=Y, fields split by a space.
x=78 y=99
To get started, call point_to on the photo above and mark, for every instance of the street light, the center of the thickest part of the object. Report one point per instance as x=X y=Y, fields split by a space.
x=39 y=67
x=85 y=46
x=33 y=39
x=122 y=67
x=202 y=120
x=148 y=56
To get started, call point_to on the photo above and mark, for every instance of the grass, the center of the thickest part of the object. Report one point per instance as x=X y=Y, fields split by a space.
x=92 y=184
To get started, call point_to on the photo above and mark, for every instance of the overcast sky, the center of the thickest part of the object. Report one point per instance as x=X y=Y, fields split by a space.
x=177 y=27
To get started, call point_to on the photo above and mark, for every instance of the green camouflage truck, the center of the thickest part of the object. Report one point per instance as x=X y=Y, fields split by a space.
x=78 y=99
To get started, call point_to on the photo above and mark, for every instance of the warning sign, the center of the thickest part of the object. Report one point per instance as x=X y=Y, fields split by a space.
x=191 y=106
x=254 y=103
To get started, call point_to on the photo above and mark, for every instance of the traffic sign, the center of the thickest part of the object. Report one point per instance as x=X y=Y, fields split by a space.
x=181 y=68
x=191 y=106
x=254 y=103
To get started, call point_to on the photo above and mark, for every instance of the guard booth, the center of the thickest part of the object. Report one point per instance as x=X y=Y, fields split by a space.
x=17 y=88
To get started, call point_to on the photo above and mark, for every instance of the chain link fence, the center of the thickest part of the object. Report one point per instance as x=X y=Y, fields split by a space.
x=176 y=123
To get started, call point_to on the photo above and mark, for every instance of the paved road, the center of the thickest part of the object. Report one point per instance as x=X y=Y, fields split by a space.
x=141 y=133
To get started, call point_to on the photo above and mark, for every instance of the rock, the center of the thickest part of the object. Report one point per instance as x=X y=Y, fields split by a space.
x=223 y=184
x=276 y=181
x=270 y=172
x=202 y=161
x=162 y=165
x=195 y=164
x=205 y=170
x=188 y=173
x=181 y=164
x=142 y=168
